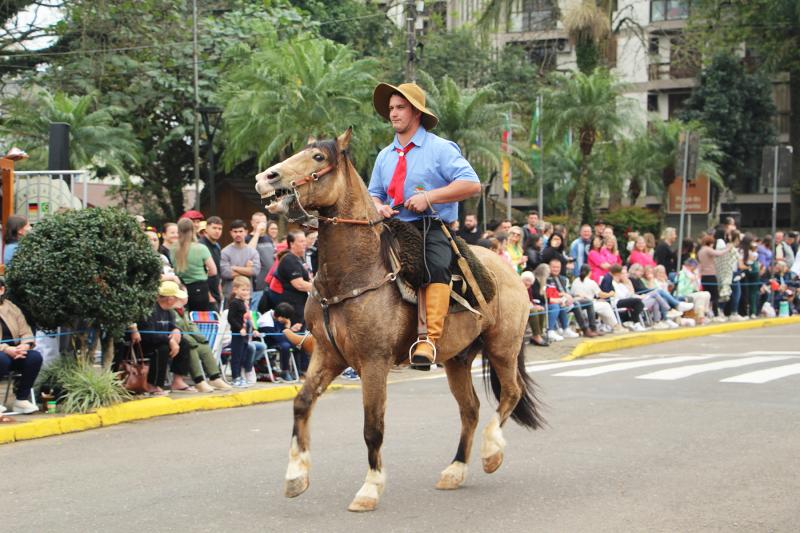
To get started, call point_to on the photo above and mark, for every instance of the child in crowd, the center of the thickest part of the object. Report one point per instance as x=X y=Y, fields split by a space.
x=271 y=325
x=241 y=324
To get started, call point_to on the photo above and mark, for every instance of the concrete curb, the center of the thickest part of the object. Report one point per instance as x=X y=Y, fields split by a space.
x=631 y=340
x=144 y=409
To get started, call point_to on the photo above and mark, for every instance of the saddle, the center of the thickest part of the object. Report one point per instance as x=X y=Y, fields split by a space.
x=406 y=244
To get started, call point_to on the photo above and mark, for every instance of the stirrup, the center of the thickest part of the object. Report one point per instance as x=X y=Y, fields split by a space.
x=425 y=340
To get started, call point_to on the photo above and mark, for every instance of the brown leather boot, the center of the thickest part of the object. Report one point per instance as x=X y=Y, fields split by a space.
x=437 y=303
x=305 y=341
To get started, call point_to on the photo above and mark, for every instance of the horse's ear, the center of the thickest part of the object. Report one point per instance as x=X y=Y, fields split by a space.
x=343 y=141
x=311 y=139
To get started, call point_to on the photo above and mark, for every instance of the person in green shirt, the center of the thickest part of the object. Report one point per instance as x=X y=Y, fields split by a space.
x=193 y=265
x=201 y=357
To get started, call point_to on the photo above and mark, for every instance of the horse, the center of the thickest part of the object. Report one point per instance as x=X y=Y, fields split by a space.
x=353 y=263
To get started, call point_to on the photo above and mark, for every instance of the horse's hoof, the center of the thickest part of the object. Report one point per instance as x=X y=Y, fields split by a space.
x=492 y=463
x=452 y=477
x=363 y=504
x=295 y=487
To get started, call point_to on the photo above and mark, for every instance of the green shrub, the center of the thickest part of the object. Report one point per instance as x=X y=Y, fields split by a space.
x=85 y=269
x=626 y=219
x=87 y=388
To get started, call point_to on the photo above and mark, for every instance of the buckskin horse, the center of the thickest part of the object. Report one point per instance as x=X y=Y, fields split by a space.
x=371 y=328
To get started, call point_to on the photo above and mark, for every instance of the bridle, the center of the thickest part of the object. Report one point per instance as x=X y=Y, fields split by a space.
x=310 y=180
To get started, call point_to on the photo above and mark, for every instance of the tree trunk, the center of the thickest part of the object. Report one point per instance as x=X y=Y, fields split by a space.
x=576 y=212
x=108 y=353
x=794 y=139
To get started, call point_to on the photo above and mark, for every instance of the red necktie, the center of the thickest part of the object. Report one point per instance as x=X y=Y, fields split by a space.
x=395 y=189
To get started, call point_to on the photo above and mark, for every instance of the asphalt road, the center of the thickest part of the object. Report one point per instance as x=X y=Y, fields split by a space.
x=654 y=443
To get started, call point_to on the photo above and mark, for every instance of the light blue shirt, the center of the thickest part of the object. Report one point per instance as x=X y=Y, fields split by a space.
x=579 y=252
x=433 y=163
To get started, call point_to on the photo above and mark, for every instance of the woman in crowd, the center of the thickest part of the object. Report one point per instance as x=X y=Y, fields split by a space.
x=596 y=259
x=533 y=251
x=166 y=266
x=194 y=265
x=535 y=283
x=585 y=289
x=765 y=255
x=16 y=228
x=169 y=238
x=708 y=272
x=689 y=287
x=514 y=249
x=650 y=242
x=17 y=353
x=751 y=278
x=497 y=245
x=687 y=250
x=732 y=266
x=547 y=231
x=555 y=250
x=612 y=250
x=641 y=254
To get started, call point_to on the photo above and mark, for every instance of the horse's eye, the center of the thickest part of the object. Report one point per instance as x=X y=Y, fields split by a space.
x=319 y=157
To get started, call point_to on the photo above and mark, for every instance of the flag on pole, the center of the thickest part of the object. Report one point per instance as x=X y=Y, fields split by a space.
x=505 y=148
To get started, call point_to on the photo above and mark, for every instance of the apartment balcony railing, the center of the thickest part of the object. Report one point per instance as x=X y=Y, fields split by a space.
x=670 y=71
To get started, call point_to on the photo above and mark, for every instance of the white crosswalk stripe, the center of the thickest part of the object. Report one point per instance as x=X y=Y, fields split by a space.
x=768 y=374
x=618 y=367
x=692 y=370
x=684 y=366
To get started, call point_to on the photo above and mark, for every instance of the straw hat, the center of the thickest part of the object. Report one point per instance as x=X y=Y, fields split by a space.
x=411 y=92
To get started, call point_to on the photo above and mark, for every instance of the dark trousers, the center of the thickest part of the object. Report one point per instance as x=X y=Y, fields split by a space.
x=711 y=285
x=633 y=306
x=585 y=306
x=239 y=359
x=29 y=368
x=438 y=253
x=275 y=339
x=159 y=359
x=198 y=296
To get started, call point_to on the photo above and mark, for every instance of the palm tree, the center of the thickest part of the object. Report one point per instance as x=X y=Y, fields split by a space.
x=587 y=25
x=473 y=119
x=98 y=141
x=592 y=107
x=283 y=92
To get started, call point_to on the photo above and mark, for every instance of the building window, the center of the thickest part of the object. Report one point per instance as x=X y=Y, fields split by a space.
x=532 y=15
x=661 y=10
x=653 y=46
x=652 y=103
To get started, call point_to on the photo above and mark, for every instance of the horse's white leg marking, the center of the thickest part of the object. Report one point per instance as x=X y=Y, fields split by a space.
x=370 y=492
x=297 y=471
x=492 y=445
x=453 y=476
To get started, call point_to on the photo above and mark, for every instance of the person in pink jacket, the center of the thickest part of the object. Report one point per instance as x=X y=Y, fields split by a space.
x=640 y=255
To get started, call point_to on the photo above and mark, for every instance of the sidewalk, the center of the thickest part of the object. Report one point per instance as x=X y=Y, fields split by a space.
x=42 y=425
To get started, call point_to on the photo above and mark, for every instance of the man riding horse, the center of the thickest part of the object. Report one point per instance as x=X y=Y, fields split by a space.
x=421 y=177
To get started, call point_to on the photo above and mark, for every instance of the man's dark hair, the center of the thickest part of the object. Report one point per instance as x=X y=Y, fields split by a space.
x=238 y=223
x=283 y=310
x=13 y=225
x=533 y=212
x=213 y=220
x=292 y=236
x=615 y=269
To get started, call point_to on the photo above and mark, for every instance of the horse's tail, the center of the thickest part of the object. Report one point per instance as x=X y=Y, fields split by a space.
x=526 y=412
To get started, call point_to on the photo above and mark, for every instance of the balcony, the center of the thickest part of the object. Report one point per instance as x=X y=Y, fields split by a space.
x=665 y=76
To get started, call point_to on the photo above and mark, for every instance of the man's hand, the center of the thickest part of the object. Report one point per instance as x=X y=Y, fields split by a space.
x=297 y=327
x=417 y=203
x=174 y=347
x=243 y=332
x=17 y=352
x=386 y=211
x=136 y=337
x=248 y=263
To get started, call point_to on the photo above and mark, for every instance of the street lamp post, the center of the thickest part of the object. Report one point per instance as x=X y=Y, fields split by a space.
x=211 y=117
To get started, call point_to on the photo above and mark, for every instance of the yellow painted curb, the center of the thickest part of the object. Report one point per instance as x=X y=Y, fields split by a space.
x=144 y=409
x=631 y=340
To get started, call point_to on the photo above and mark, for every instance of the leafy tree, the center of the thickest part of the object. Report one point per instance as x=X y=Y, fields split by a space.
x=458 y=54
x=91 y=269
x=281 y=92
x=592 y=107
x=587 y=26
x=736 y=109
x=98 y=140
x=771 y=31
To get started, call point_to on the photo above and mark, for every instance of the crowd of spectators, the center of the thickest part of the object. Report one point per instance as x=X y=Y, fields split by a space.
x=608 y=280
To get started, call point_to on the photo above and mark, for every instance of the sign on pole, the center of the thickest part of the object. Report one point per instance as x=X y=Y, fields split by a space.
x=698 y=196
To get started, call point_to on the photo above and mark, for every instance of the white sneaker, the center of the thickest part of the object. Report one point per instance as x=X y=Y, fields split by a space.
x=2 y=408
x=735 y=317
x=661 y=325
x=672 y=324
x=250 y=377
x=24 y=406
x=638 y=327
x=673 y=313
x=719 y=319
x=553 y=336
x=569 y=334
x=685 y=306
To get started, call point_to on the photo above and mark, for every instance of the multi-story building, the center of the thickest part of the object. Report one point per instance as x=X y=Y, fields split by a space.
x=646 y=52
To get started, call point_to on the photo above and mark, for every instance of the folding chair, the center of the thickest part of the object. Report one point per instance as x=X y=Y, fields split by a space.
x=210 y=324
x=11 y=377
